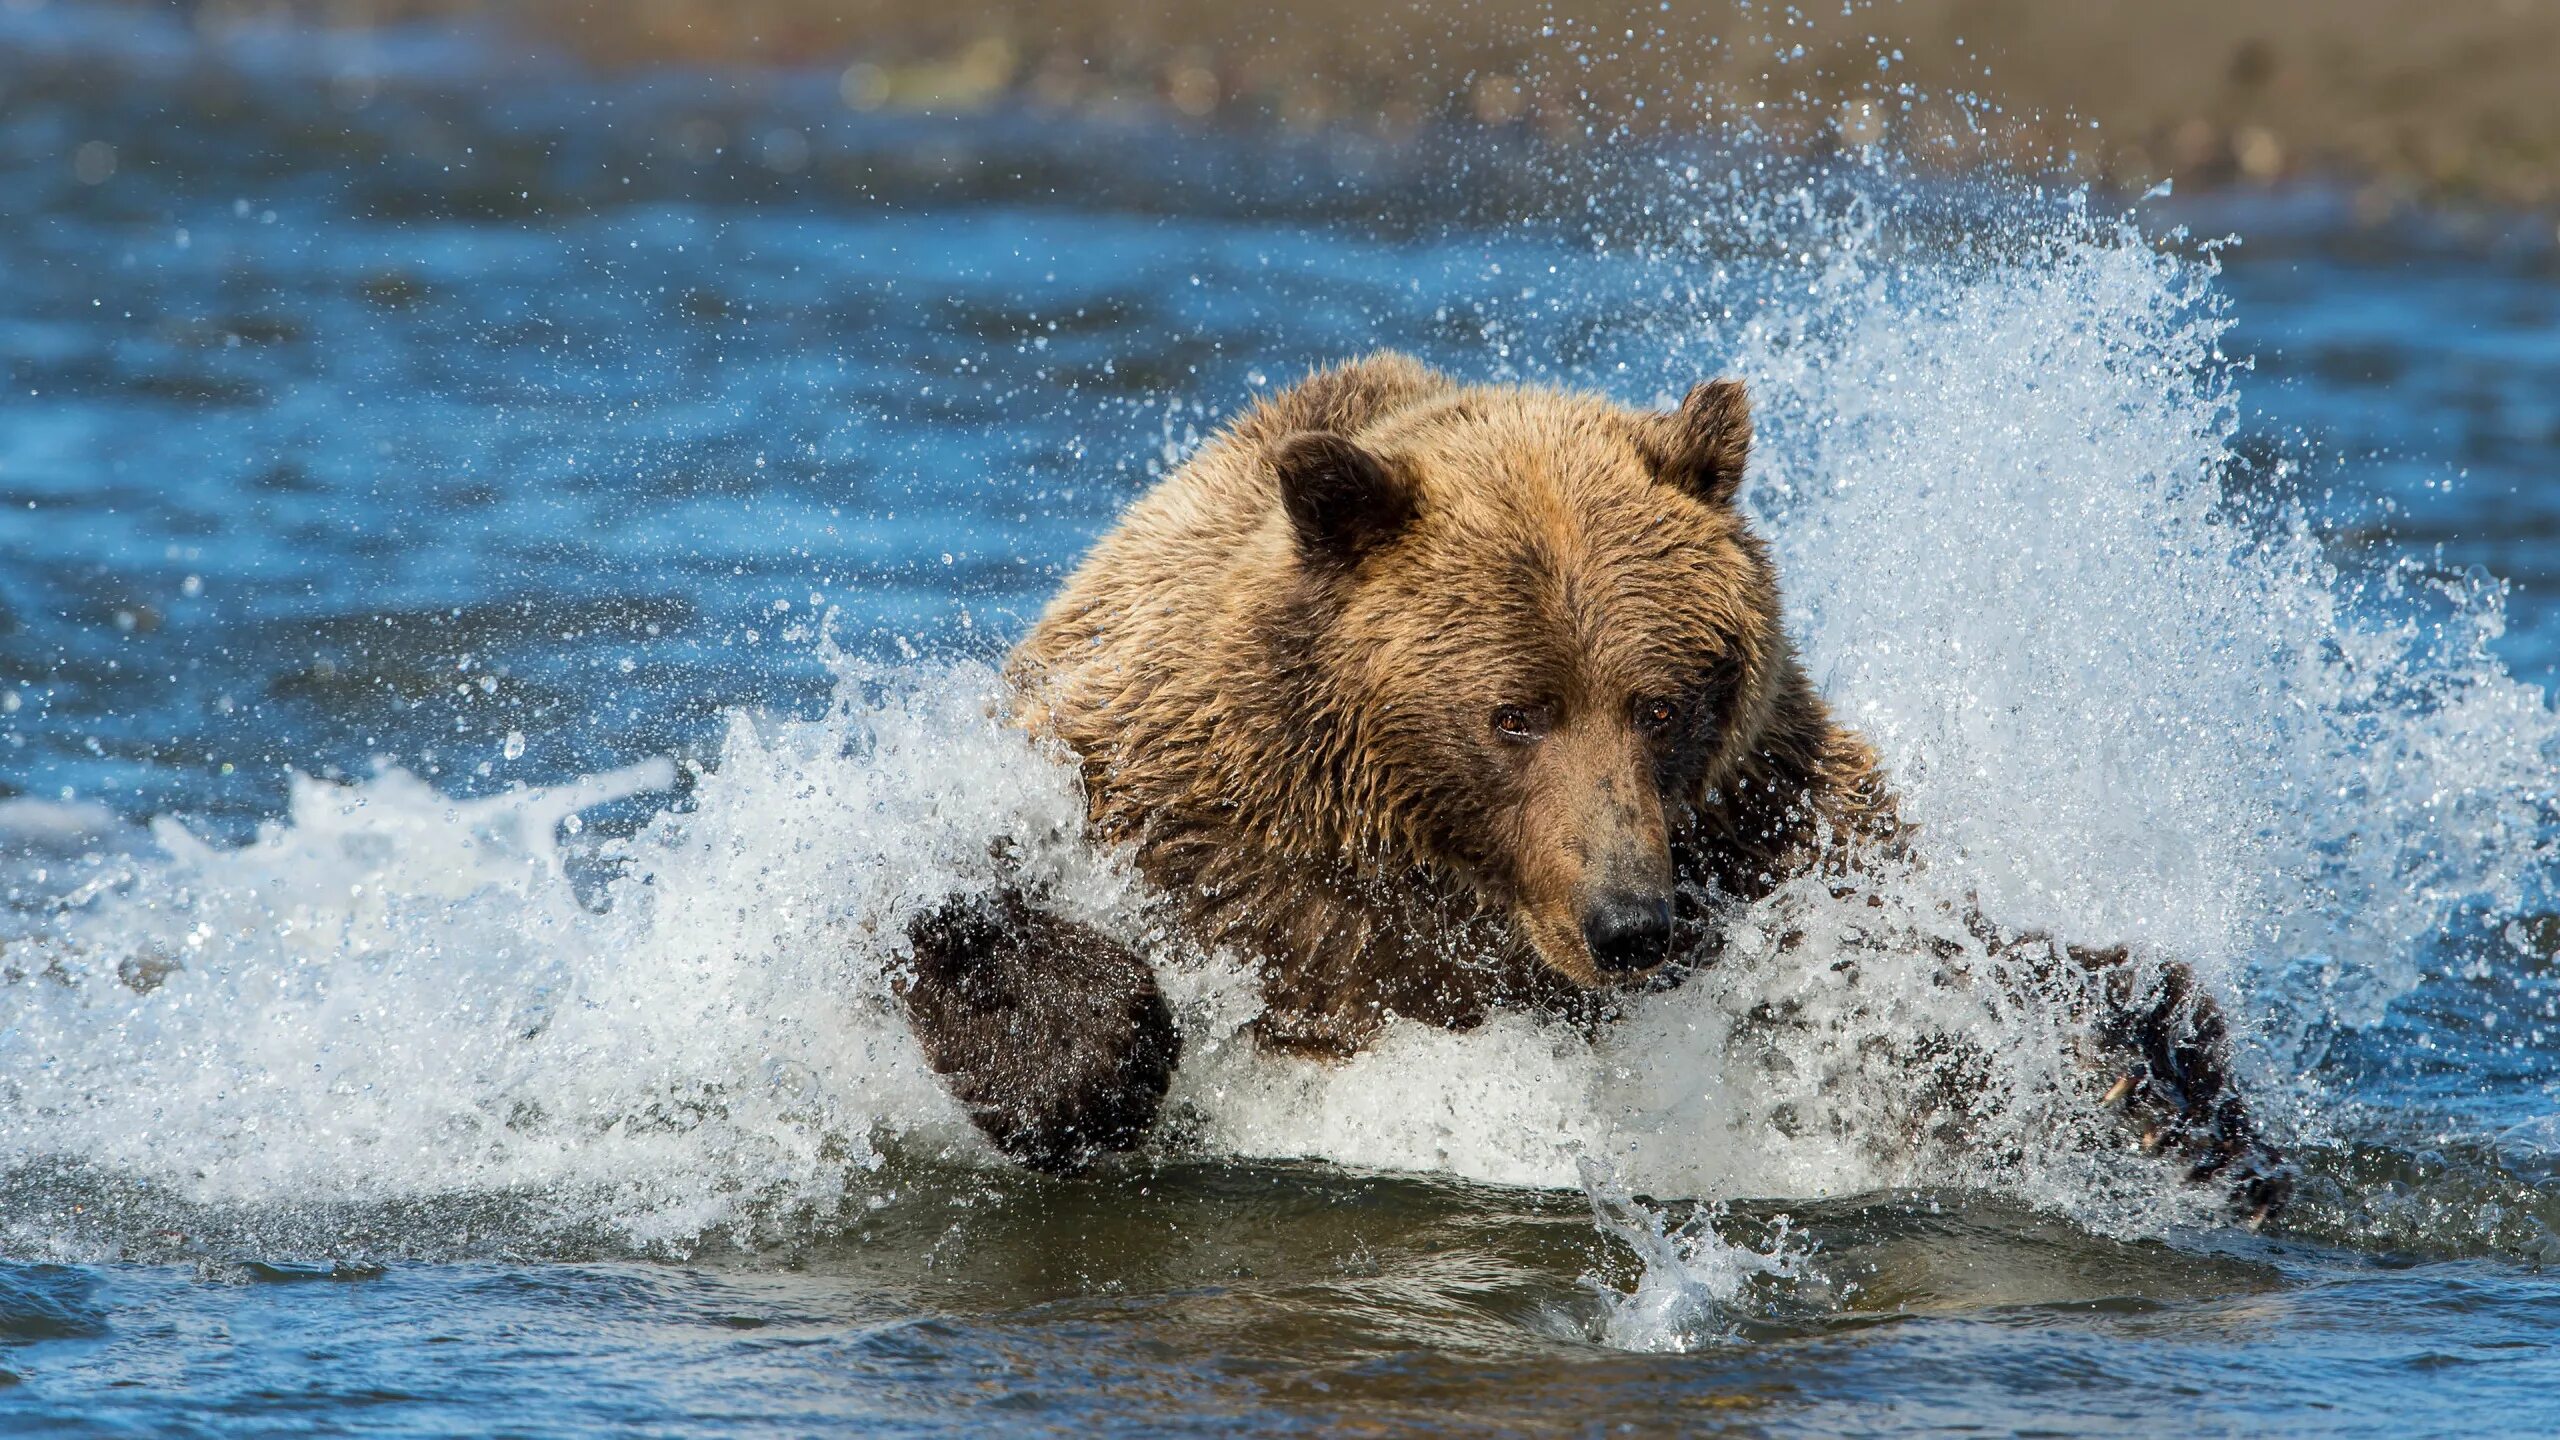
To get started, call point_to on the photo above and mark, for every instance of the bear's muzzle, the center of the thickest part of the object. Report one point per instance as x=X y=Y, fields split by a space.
x=1628 y=931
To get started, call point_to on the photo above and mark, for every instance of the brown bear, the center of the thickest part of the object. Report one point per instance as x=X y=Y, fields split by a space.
x=1426 y=699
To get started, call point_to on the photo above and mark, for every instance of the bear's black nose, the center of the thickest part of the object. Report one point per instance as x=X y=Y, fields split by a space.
x=1628 y=931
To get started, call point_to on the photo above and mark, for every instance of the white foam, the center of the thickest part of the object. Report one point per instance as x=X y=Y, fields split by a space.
x=2122 y=708
x=394 y=994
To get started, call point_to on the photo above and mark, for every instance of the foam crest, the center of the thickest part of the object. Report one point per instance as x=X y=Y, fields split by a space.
x=393 y=994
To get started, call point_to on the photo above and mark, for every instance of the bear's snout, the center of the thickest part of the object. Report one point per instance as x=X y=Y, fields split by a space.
x=1628 y=931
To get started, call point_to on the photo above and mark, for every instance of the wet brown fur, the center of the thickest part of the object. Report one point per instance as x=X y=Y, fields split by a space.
x=1299 y=750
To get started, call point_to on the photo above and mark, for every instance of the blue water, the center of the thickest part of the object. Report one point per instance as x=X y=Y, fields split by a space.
x=394 y=403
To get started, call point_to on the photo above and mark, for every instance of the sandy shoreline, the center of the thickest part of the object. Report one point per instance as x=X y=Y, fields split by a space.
x=2403 y=98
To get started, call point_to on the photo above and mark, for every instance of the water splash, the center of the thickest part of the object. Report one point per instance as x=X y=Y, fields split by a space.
x=1693 y=1284
x=2126 y=703
x=392 y=993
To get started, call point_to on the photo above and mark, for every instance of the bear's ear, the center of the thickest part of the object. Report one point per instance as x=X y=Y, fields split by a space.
x=1343 y=501
x=1702 y=446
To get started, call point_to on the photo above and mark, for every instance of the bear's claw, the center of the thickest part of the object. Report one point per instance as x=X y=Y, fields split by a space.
x=2180 y=1097
x=1052 y=1035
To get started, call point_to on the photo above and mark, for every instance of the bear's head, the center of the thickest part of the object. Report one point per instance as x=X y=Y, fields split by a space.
x=1536 y=632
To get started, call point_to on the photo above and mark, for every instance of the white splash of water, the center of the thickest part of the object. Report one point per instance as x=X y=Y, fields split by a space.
x=395 y=994
x=1691 y=1281
x=2119 y=708
x=2122 y=707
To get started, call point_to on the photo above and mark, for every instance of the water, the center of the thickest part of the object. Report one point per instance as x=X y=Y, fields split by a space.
x=498 y=580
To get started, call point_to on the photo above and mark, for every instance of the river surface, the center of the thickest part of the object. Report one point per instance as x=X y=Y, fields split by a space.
x=499 y=575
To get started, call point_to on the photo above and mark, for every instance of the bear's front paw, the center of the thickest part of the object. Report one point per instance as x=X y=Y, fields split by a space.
x=2179 y=1097
x=1053 y=1036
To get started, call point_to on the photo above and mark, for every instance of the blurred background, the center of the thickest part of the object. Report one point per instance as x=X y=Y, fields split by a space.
x=2399 y=98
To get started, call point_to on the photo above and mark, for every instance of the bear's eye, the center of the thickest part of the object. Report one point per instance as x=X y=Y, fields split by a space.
x=1656 y=715
x=1514 y=722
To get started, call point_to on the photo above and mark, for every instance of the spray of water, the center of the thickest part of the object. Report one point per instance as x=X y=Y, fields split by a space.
x=391 y=993
x=2125 y=700
x=2123 y=706
x=1692 y=1280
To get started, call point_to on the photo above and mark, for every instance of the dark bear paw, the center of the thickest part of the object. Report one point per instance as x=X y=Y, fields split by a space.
x=2178 y=1095
x=1053 y=1036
